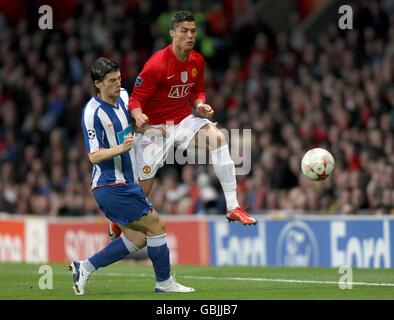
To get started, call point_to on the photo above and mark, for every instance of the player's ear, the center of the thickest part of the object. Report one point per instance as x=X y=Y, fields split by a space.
x=172 y=33
x=97 y=84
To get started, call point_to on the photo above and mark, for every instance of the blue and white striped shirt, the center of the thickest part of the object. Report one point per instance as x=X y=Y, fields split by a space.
x=104 y=126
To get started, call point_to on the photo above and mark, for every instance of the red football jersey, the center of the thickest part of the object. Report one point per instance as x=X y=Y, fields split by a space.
x=167 y=88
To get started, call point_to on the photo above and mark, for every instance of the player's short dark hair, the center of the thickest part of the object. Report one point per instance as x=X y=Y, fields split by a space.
x=101 y=67
x=180 y=17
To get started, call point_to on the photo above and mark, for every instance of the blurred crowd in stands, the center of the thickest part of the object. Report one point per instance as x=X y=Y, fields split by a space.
x=334 y=92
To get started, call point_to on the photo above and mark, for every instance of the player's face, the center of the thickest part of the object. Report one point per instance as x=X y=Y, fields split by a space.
x=184 y=35
x=110 y=86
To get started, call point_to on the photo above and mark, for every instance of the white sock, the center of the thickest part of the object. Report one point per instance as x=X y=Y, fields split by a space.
x=87 y=265
x=224 y=168
x=129 y=245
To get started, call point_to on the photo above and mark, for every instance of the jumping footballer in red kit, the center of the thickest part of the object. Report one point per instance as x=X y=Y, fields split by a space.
x=169 y=86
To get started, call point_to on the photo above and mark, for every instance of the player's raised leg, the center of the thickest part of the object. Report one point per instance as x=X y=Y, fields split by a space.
x=210 y=137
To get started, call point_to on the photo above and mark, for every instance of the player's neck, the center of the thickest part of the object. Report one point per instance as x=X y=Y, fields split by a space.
x=110 y=100
x=181 y=55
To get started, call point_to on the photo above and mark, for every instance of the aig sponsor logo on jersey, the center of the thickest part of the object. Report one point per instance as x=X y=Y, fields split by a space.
x=180 y=91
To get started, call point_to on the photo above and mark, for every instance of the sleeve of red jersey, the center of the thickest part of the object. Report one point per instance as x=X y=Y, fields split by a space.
x=145 y=86
x=198 y=90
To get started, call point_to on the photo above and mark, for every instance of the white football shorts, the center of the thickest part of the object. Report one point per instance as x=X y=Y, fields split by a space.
x=152 y=150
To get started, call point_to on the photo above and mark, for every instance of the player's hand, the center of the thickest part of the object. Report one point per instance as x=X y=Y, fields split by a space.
x=158 y=131
x=128 y=142
x=205 y=110
x=141 y=119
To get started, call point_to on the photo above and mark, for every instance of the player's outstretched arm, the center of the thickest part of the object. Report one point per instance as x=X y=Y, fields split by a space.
x=105 y=154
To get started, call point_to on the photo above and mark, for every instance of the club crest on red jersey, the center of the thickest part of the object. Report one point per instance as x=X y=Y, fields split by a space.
x=184 y=76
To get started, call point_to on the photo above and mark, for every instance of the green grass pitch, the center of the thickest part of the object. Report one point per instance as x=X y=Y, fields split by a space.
x=131 y=281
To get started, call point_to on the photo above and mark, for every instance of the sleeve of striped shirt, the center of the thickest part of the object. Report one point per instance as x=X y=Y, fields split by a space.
x=92 y=130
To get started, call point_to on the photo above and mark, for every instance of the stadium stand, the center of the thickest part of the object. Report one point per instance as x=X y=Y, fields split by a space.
x=294 y=93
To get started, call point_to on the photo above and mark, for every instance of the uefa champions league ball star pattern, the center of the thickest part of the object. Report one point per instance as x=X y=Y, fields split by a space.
x=317 y=164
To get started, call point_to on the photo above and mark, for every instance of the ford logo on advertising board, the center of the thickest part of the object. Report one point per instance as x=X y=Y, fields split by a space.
x=297 y=246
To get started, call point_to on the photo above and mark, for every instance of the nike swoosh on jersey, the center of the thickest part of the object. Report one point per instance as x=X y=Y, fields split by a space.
x=169 y=77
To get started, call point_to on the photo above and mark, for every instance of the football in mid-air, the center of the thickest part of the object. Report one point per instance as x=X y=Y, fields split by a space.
x=317 y=164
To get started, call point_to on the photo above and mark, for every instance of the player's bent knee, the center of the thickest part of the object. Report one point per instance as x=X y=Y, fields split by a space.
x=156 y=225
x=160 y=226
x=135 y=236
x=140 y=241
x=220 y=138
x=157 y=230
x=216 y=140
x=153 y=216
